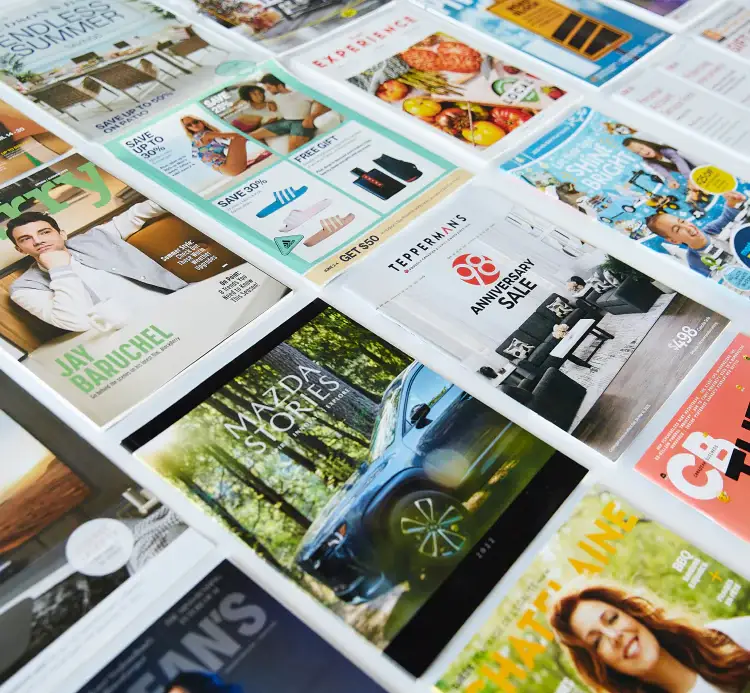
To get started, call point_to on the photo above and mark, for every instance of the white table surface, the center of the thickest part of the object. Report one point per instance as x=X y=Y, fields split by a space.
x=569 y=340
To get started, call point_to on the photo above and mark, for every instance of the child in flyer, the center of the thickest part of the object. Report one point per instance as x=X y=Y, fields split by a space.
x=662 y=159
x=623 y=643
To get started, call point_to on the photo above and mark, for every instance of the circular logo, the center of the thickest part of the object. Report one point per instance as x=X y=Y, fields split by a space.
x=713 y=180
x=476 y=270
x=741 y=243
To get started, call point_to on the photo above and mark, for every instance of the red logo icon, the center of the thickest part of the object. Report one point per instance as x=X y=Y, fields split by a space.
x=476 y=269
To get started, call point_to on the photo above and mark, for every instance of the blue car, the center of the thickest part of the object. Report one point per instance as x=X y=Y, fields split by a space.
x=404 y=511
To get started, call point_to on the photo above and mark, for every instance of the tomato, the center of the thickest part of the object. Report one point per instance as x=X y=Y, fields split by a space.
x=421 y=107
x=392 y=90
x=453 y=120
x=509 y=117
x=485 y=134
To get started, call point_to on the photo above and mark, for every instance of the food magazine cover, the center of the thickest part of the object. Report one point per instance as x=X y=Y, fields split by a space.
x=102 y=65
x=79 y=543
x=671 y=202
x=613 y=603
x=553 y=322
x=581 y=37
x=410 y=60
x=305 y=179
x=700 y=455
x=226 y=635
x=105 y=295
x=362 y=476
x=281 y=26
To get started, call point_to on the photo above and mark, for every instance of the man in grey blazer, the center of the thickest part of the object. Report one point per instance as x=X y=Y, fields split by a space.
x=93 y=274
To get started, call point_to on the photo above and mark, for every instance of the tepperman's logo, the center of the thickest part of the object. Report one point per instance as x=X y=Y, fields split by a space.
x=476 y=270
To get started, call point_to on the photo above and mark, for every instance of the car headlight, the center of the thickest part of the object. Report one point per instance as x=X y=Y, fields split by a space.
x=337 y=537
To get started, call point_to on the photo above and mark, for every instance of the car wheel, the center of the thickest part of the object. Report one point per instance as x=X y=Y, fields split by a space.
x=431 y=526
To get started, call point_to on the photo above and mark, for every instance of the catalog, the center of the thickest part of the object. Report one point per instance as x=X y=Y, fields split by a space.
x=82 y=551
x=552 y=322
x=671 y=202
x=280 y=26
x=226 y=635
x=409 y=59
x=105 y=295
x=609 y=594
x=362 y=476
x=729 y=27
x=700 y=454
x=581 y=37
x=249 y=152
x=102 y=65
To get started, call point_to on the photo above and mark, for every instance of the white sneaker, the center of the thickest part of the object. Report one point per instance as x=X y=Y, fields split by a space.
x=297 y=217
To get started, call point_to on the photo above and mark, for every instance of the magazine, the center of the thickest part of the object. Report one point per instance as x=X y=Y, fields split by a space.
x=226 y=635
x=671 y=202
x=103 y=65
x=581 y=37
x=280 y=26
x=82 y=550
x=414 y=62
x=700 y=455
x=613 y=602
x=553 y=322
x=305 y=179
x=681 y=11
x=362 y=476
x=728 y=28
x=105 y=295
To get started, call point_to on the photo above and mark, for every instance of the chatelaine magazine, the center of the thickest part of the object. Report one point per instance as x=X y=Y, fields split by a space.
x=409 y=60
x=614 y=602
x=701 y=455
x=675 y=204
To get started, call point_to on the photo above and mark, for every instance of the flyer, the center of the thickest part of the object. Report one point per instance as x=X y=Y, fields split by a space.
x=614 y=602
x=303 y=178
x=226 y=635
x=103 y=65
x=677 y=10
x=581 y=37
x=281 y=26
x=729 y=28
x=362 y=476
x=700 y=455
x=688 y=210
x=106 y=296
x=82 y=550
x=552 y=322
x=411 y=61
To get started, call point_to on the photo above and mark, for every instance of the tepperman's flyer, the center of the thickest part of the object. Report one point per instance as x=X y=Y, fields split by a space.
x=581 y=37
x=102 y=65
x=410 y=60
x=668 y=201
x=305 y=179
x=701 y=455
x=108 y=296
x=614 y=603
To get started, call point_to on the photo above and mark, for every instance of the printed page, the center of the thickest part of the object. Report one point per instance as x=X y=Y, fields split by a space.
x=611 y=593
x=363 y=476
x=728 y=28
x=411 y=61
x=554 y=323
x=305 y=179
x=581 y=37
x=106 y=294
x=678 y=205
x=681 y=11
x=83 y=551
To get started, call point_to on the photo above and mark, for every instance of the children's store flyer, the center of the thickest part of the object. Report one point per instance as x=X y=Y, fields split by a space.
x=672 y=203
x=305 y=179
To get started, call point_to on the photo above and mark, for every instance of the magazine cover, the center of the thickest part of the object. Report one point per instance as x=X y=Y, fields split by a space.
x=76 y=544
x=582 y=37
x=409 y=59
x=305 y=179
x=362 y=476
x=554 y=323
x=100 y=288
x=729 y=28
x=613 y=603
x=280 y=26
x=677 y=10
x=689 y=211
x=226 y=635
x=700 y=455
x=102 y=65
